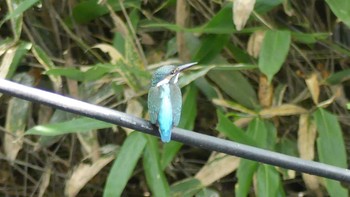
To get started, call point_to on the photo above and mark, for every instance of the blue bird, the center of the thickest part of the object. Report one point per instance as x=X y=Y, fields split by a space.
x=165 y=99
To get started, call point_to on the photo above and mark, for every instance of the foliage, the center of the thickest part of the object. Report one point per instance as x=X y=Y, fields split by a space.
x=280 y=83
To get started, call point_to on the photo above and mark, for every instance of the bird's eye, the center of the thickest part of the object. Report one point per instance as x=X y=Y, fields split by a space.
x=173 y=72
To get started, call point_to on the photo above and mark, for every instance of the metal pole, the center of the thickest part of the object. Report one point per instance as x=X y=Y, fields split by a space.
x=185 y=136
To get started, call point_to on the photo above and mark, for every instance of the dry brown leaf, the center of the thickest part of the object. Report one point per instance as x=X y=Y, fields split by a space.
x=45 y=181
x=12 y=145
x=182 y=16
x=133 y=106
x=146 y=39
x=313 y=86
x=119 y=24
x=83 y=174
x=327 y=102
x=16 y=119
x=306 y=144
x=340 y=94
x=218 y=166
x=90 y=144
x=7 y=61
x=288 y=9
x=241 y=12
x=4 y=47
x=243 y=122
x=282 y=110
x=265 y=92
x=254 y=43
x=111 y=51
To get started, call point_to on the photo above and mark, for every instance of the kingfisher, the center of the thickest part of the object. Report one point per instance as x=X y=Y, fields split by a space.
x=165 y=99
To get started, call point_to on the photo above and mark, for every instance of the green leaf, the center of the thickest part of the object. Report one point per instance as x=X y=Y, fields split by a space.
x=186 y=187
x=330 y=147
x=207 y=192
x=273 y=52
x=189 y=108
x=188 y=116
x=94 y=73
x=151 y=164
x=268 y=181
x=119 y=43
x=341 y=9
x=206 y=88
x=330 y=139
x=192 y=43
x=20 y=51
x=124 y=164
x=210 y=48
x=264 y=135
x=234 y=84
x=169 y=152
x=287 y=146
x=245 y=174
x=262 y=6
x=134 y=18
x=48 y=64
x=16 y=21
x=338 y=77
x=71 y=73
x=19 y=9
x=58 y=116
x=97 y=71
x=309 y=38
x=221 y=23
x=163 y=24
x=239 y=54
x=234 y=133
x=263 y=132
x=88 y=10
x=71 y=126
x=12 y=57
x=192 y=76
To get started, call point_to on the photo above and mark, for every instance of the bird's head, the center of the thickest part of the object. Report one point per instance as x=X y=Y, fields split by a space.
x=168 y=74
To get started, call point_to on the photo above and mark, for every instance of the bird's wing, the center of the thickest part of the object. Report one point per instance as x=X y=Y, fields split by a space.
x=153 y=103
x=176 y=102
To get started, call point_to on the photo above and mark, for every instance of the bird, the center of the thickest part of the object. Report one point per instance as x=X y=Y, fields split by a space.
x=165 y=99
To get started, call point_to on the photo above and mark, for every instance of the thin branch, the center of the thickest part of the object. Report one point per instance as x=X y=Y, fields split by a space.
x=185 y=136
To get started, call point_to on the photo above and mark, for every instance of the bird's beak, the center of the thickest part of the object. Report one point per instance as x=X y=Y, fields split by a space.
x=186 y=66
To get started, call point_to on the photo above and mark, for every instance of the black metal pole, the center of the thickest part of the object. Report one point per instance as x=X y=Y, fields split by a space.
x=187 y=137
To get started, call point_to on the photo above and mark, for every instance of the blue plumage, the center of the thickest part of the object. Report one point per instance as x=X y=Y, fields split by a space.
x=165 y=100
x=165 y=114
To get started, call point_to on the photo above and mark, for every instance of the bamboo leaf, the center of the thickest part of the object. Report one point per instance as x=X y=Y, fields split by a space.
x=341 y=9
x=71 y=126
x=273 y=52
x=330 y=147
x=236 y=86
x=187 y=187
x=20 y=8
x=232 y=131
x=124 y=164
x=245 y=174
x=154 y=175
x=268 y=181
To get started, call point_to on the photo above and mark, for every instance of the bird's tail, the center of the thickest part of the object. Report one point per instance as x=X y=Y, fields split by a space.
x=165 y=135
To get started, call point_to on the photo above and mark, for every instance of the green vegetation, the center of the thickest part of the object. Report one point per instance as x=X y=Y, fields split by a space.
x=275 y=77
